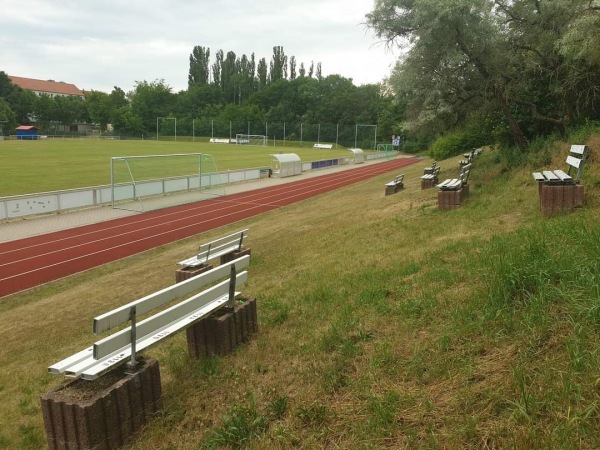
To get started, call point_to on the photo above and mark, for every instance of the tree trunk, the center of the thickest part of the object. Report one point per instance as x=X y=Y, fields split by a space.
x=515 y=129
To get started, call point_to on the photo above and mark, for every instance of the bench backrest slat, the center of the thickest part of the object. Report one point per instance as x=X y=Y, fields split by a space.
x=578 y=161
x=152 y=325
x=120 y=315
x=574 y=162
x=221 y=246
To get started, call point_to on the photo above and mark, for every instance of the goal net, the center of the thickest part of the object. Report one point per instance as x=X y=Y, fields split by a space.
x=150 y=182
x=251 y=139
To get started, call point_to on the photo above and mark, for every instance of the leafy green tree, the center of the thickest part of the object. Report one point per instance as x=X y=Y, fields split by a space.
x=468 y=58
x=150 y=100
x=302 y=70
x=216 y=69
x=7 y=116
x=278 y=65
x=199 y=72
x=99 y=107
x=261 y=73
x=292 y=67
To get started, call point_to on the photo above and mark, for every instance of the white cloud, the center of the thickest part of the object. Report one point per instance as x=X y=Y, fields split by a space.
x=98 y=45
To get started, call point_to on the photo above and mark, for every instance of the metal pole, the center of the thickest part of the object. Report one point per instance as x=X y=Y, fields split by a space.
x=375 y=143
x=355 y=135
x=301 y=131
x=212 y=128
x=112 y=184
x=193 y=130
x=319 y=133
x=157 y=128
x=175 y=129
x=132 y=316
x=337 y=134
x=231 y=300
x=284 y=134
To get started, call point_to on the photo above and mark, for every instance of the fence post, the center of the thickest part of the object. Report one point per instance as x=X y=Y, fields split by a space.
x=132 y=317
x=230 y=302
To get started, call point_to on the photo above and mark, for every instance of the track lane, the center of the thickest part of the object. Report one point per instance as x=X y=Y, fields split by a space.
x=29 y=262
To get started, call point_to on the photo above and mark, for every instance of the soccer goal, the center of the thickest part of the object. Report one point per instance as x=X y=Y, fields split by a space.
x=150 y=182
x=251 y=139
x=365 y=136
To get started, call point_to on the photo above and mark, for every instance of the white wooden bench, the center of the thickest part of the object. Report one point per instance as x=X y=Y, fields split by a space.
x=454 y=190
x=454 y=184
x=469 y=157
x=561 y=191
x=323 y=146
x=115 y=349
x=218 y=247
x=430 y=176
x=578 y=155
x=395 y=185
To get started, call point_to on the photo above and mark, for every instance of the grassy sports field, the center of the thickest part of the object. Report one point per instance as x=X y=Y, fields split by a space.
x=49 y=165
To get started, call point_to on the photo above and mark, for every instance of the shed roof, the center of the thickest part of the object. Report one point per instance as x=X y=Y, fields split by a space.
x=54 y=87
x=26 y=128
x=286 y=157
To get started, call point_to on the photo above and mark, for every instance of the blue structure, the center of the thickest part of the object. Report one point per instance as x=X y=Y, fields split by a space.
x=26 y=132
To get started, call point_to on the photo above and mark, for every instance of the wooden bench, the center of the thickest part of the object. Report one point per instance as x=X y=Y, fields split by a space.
x=227 y=247
x=395 y=185
x=430 y=176
x=216 y=320
x=454 y=190
x=323 y=146
x=561 y=191
x=469 y=157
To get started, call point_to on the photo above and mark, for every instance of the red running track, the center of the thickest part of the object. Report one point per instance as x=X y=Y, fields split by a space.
x=29 y=262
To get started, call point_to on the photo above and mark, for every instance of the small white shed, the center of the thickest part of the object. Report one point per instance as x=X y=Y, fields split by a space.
x=359 y=155
x=286 y=165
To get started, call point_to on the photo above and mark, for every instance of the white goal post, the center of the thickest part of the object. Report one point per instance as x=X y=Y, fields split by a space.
x=147 y=182
x=251 y=139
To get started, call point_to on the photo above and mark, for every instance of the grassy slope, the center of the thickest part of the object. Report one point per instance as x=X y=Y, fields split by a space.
x=383 y=323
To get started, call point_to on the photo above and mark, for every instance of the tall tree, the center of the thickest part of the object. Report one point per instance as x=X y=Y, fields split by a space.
x=319 y=74
x=216 y=69
x=278 y=65
x=482 y=55
x=261 y=72
x=302 y=70
x=292 y=67
x=199 y=72
x=150 y=100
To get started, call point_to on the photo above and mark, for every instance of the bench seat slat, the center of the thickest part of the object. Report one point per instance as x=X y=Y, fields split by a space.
x=538 y=176
x=550 y=176
x=564 y=177
x=449 y=184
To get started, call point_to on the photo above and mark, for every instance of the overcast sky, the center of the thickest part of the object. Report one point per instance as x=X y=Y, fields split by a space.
x=104 y=43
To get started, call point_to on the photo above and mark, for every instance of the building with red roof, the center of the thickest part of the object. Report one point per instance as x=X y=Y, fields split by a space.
x=51 y=88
